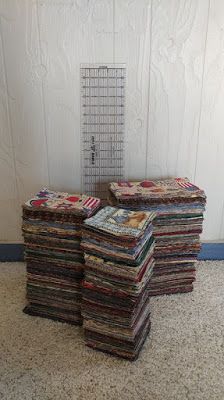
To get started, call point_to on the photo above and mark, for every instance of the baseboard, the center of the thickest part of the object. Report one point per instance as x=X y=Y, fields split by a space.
x=11 y=252
x=212 y=251
x=15 y=251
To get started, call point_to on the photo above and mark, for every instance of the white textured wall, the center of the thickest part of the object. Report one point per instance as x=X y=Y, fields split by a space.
x=174 y=51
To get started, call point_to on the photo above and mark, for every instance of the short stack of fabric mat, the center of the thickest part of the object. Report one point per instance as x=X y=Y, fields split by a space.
x=179 y=206
x=51 y=227
x=118 y=246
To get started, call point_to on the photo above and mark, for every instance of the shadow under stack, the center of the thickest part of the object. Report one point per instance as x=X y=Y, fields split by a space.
x=118 y=246
x=51 y=227
x=179 y=206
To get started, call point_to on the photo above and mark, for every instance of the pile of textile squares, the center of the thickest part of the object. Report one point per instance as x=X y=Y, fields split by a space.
x=52 y=223
x=179 y=206
x=118 y=246
x=99 y=266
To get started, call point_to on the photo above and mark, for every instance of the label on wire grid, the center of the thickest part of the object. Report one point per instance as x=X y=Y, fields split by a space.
x=102 y=126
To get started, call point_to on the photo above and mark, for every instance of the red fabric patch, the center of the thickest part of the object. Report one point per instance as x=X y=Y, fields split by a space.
x=147 y=184
x=38 y=203
x=124 y=184
x=74 y=199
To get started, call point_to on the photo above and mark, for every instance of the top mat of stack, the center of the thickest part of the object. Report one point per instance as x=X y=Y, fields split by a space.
x=119 y=222
x=165 y=192
x=123 y=234
x=60 y=206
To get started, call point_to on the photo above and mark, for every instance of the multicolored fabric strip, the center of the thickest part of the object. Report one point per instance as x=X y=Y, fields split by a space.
x=62 y=201
x=154 y=189
x=121 y=222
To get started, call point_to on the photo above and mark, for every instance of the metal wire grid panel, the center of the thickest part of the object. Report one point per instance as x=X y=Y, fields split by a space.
x=102 y=126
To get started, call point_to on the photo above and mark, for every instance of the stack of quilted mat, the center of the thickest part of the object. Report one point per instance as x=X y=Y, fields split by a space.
x=118 y=246
x=179 y=206
x=52 y=223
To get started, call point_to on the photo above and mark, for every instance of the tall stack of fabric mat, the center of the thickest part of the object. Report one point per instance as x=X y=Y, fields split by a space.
x=118 y=246
x=51 y=227
x=179 y=206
